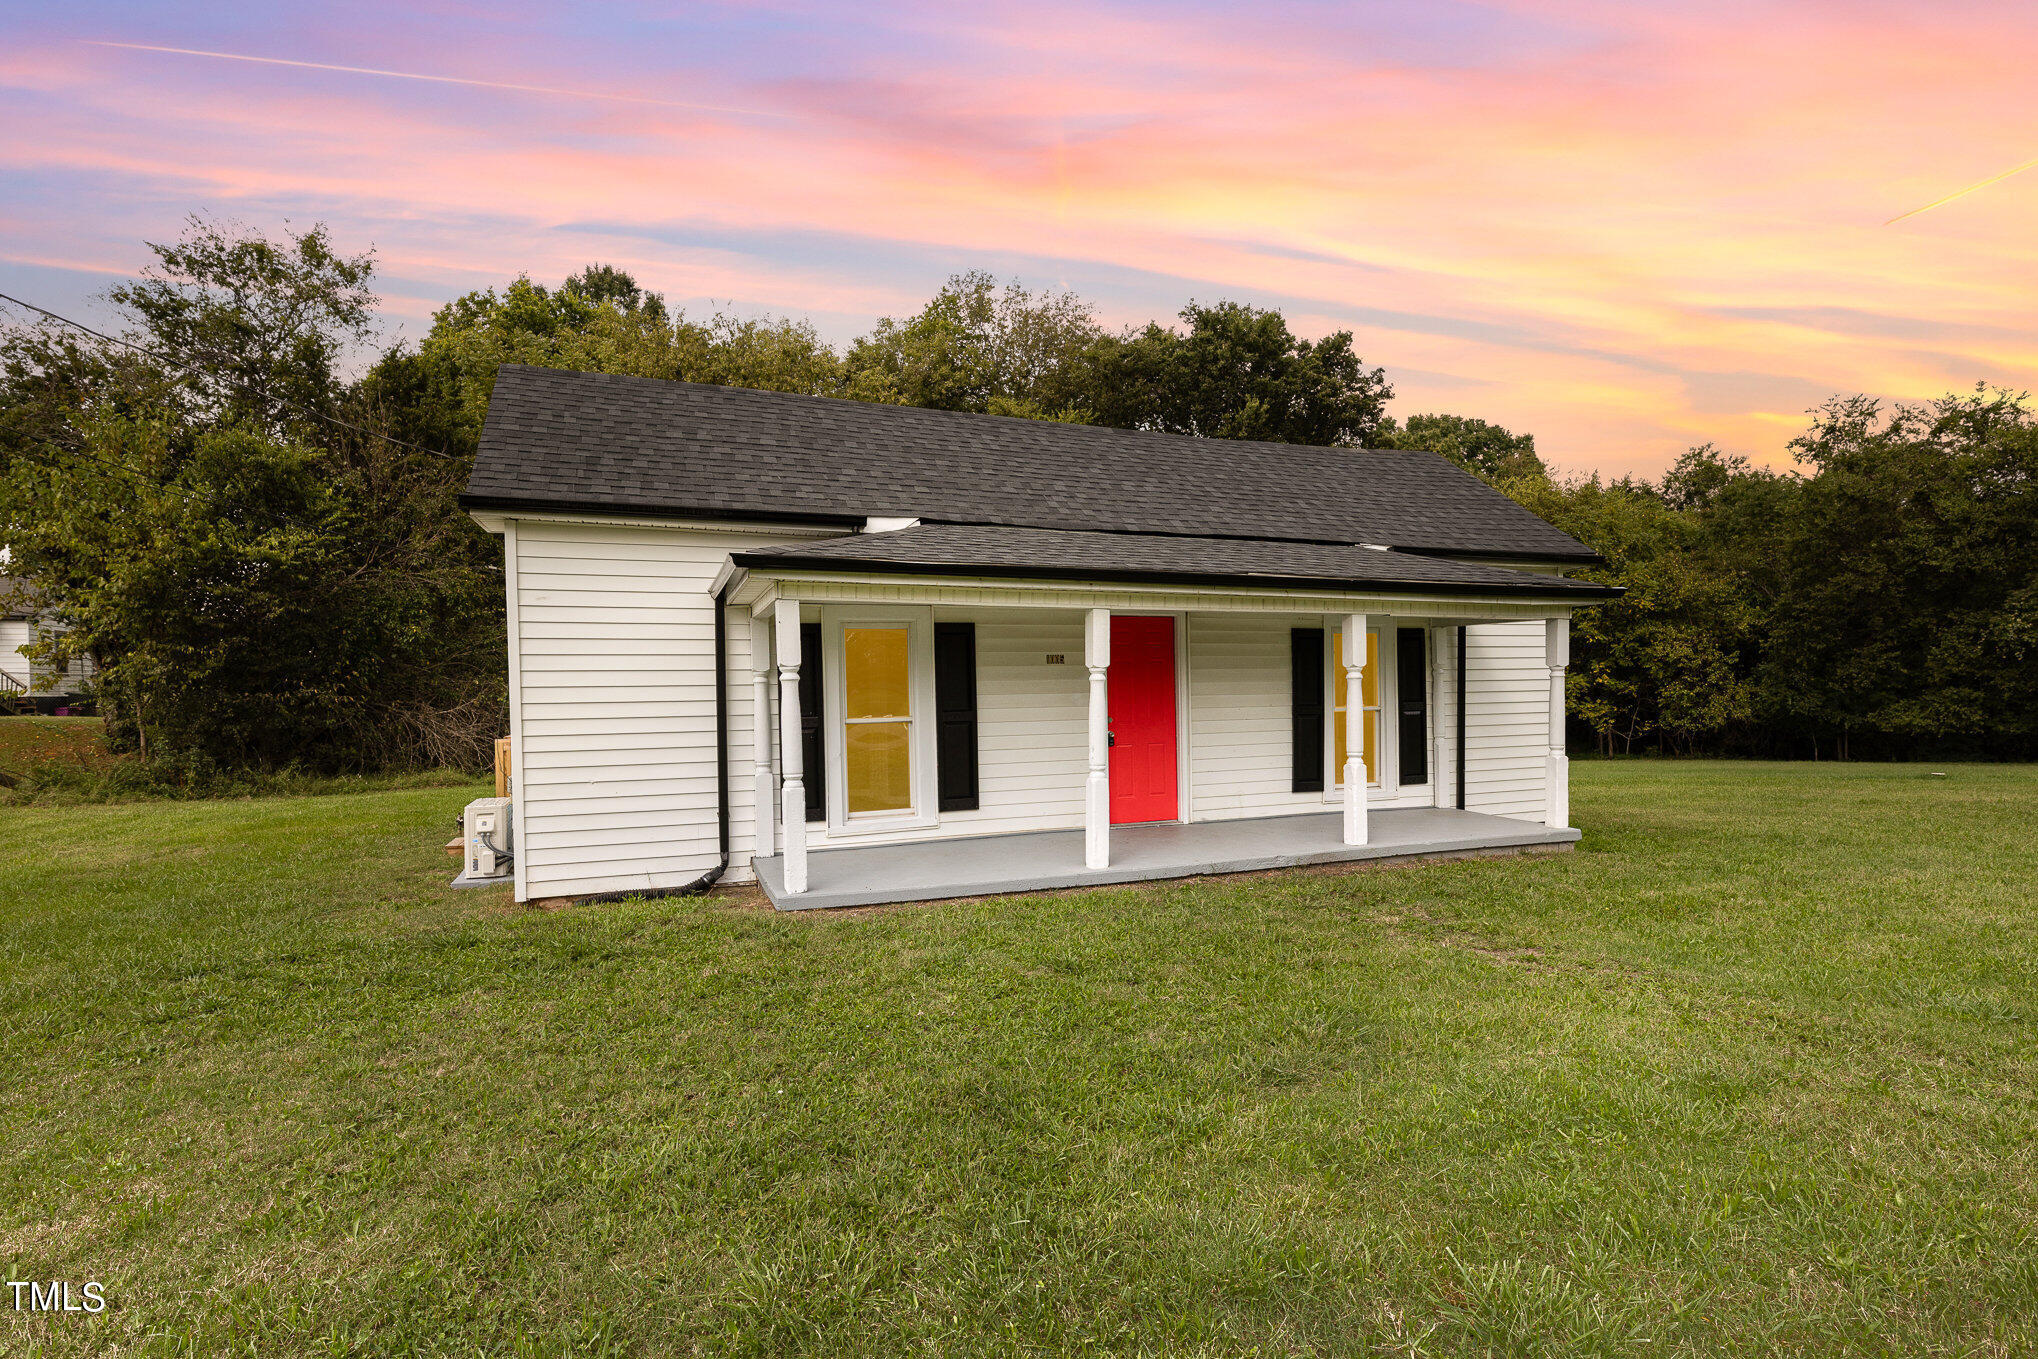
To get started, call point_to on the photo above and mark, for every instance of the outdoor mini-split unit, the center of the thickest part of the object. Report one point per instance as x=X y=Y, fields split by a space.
x=487 y=833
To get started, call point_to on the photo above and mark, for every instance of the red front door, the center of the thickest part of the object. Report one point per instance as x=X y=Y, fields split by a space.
x=1142 y=683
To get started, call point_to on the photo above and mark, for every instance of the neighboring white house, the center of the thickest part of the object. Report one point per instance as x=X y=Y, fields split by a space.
x=30 y=685
x=965 y=653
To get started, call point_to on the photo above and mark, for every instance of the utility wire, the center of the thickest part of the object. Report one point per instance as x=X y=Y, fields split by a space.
x=195 y=371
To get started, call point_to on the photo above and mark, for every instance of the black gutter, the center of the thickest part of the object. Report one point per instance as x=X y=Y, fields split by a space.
x=724 y=515
x=1476 y=554
x=708 y=879
x=1461 y=717
x=1561 y=590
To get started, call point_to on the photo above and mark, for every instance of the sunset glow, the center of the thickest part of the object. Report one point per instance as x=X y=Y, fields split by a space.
x=1626 y=228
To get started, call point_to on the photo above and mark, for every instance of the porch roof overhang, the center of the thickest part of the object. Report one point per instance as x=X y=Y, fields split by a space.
x=1306 y=574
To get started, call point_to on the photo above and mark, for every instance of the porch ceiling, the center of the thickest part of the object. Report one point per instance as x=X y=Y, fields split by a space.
x=993 y=865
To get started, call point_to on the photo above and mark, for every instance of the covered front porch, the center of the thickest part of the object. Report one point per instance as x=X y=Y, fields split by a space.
x=1011 y=734
x=994 y=865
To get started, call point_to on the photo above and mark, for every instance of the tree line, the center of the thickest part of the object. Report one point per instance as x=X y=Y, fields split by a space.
x=267 y=559
x=1879 y=599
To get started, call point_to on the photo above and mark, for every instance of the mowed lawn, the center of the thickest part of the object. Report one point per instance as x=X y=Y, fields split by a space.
x=1753 y=1072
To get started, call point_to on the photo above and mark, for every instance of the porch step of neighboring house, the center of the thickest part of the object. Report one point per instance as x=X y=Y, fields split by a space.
x=1034 y=861
x=14 y=696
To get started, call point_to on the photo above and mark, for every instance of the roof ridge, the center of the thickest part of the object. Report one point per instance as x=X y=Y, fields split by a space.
x=616 y=444
x=941 y=412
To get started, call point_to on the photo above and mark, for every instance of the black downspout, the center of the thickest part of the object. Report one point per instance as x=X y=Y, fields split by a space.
x=721 y=733
x=1460 y=705
x=713 y=875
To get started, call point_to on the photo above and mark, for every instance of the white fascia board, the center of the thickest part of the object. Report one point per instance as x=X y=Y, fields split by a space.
x=888 y=524
x=831 y=586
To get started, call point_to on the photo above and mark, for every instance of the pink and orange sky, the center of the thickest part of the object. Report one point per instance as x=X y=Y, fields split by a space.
x=1625 y=227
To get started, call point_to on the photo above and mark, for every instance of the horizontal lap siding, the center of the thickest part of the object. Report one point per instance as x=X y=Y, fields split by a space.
x=616 y=640
x=16 y=633
x=1032 y=725
x=1241 y=734
x=1507 y=719
x=617 y=778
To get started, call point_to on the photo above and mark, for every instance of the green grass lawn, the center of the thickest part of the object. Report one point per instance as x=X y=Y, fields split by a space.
x=1752 y=1072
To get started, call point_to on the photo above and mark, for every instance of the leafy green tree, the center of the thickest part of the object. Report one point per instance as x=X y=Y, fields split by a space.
x=264 y=324
x=1666 y=662
x=258 y=585
x=599 y=321
x=1483 y=449
x=1908 y=597
x=1238 y=372
x=599 y=283
x=974 y=347
x=773 y=355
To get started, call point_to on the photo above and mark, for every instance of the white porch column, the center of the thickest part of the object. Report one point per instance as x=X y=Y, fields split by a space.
x=1355 y=728
x=1097 y=791
x=785 y=617
x=1443 y=657
x=764 y=785
x=1557 y=771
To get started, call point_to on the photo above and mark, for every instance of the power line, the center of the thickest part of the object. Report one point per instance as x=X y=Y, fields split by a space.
x=195 y=371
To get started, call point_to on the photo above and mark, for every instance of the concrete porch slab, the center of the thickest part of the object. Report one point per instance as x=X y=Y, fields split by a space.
x=992 y=865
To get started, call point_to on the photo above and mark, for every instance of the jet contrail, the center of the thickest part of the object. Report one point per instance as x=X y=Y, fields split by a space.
x=1962 y=193
x=437 y=79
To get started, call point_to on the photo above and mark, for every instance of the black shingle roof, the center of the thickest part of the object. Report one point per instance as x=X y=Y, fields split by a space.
x=999 y=550
x=594 y=442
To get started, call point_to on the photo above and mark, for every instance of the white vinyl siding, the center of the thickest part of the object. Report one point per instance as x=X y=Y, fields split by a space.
x=1241 y=717
x=615 y=642
x=1443 y=714
x=16 y=633
x=1032 y=727
x=1507 y=719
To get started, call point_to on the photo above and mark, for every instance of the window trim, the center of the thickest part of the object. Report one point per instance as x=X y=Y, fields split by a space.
x=1333 y=698
x=918 y=621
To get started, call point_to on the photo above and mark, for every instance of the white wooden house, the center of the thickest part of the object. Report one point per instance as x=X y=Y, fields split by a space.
x=31 y=685
x=868 y=653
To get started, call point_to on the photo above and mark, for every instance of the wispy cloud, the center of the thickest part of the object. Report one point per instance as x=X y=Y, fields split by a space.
x=1596 y=221
x=609 y=95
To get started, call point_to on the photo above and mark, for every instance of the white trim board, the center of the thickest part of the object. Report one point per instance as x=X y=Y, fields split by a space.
x=963 y=591
x=919 y=624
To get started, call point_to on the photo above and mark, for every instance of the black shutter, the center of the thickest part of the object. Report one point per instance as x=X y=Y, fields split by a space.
x=813 y=750
x=1412 y=669
x=1306 y=656
x=955 y=714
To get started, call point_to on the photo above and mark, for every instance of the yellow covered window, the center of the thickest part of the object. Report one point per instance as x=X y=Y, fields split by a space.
x=1369 y=694
x=878 y=717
